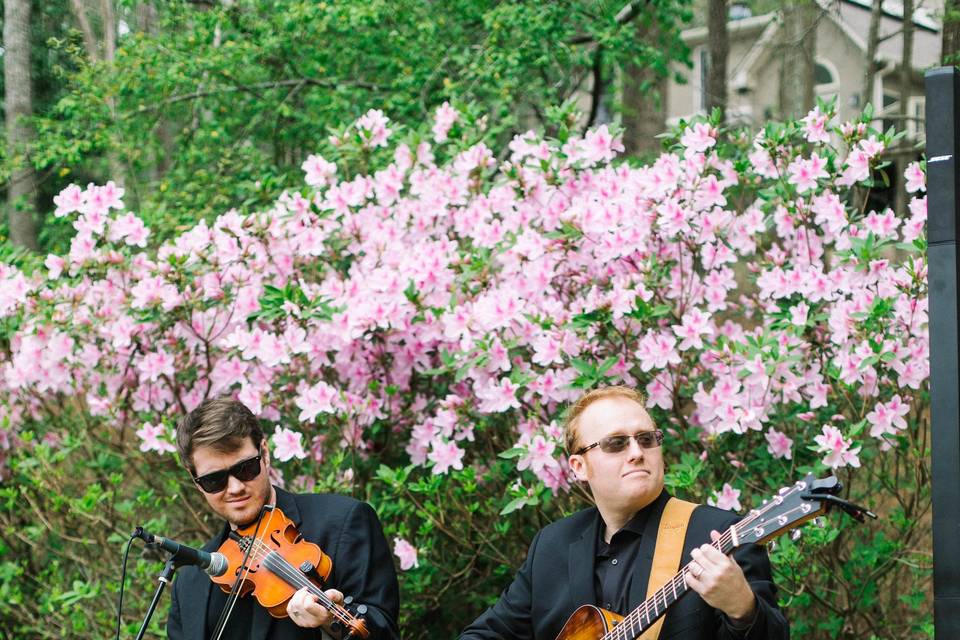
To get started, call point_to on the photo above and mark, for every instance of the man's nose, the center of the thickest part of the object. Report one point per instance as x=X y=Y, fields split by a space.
x=634 y=449
x=234 y=485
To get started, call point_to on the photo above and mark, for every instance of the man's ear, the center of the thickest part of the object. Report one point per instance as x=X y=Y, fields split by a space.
x=265 y=453
x=579 y=467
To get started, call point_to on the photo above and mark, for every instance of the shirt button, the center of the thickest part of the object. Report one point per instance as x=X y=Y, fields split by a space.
x=614 y=561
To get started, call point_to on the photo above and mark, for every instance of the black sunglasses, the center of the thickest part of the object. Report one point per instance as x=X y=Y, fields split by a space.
x=616 y=444
x=244 y=471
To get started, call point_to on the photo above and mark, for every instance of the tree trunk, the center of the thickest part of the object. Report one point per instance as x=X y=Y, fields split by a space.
x=799 y=49
x=22 y=193
x=951 y=32
x=906 y=83
x=719 y=49
x=873 y=41
x=644 y=109
x=644 y=102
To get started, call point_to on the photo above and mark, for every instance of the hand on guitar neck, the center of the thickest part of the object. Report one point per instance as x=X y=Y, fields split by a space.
x=720 y=582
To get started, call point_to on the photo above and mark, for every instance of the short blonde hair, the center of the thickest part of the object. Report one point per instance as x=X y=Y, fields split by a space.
x=572 y=423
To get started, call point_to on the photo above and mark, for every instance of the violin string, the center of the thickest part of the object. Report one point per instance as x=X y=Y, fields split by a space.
x=294 y=577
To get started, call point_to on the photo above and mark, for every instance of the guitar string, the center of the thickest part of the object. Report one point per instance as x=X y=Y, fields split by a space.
x=621 y=632
x=294 y=577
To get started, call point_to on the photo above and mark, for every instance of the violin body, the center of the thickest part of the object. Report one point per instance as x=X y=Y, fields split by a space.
x=588 y=623
x=279 y=563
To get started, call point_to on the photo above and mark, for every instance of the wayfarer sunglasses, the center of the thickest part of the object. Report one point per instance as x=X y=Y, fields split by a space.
x=244 y=471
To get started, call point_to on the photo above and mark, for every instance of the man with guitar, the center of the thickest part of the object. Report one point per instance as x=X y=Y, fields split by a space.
x=222 y=446
x=605 y=555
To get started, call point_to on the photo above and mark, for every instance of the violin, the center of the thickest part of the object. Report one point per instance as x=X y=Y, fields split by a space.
x=281 y=562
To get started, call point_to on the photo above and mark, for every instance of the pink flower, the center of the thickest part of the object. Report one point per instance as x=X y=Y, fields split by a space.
x=805 y=173
x=373 y=128
x=839 y=453
x=320 y=398
x=778 y=444
x=600 y=146
x=916 y=178
x=798 y=314
x=888 y=418
x=287 y=444
x=407 y=553
x=445 y=455
x=443 y=121
x=498 y=397
x=698 y=138
x=815 y=126
x=55 y=266
x=151 y=437
x=728 y=499
x=154 y=365
x=657 y=351
x=539 y=454
x=694 y=324
x=69 y=200
x=319 y=171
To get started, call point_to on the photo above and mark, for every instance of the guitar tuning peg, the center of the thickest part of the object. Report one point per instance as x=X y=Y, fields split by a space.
x=820 y=522
x=795 y=534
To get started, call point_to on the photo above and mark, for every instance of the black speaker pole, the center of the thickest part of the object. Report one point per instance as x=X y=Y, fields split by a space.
x=943 y=220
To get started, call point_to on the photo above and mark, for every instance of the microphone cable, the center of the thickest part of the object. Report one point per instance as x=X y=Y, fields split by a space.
x=123 y=580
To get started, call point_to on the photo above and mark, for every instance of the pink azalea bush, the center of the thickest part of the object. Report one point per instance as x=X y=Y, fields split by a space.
x=436 y=313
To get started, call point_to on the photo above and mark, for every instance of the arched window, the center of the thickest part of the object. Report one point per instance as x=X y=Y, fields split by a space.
x=825 y=76
x=822 y=75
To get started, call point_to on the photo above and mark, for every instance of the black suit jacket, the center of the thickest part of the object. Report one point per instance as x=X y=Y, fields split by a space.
x=348 y=531
x=558 y=576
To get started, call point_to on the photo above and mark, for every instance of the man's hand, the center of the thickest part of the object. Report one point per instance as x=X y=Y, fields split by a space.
x=720 y=582
x=306 y=611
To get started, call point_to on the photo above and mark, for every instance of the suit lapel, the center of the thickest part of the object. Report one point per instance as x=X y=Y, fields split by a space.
x=648 y=544
x=583 y=553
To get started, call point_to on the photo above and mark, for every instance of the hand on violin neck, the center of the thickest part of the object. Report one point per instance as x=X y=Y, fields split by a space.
x=306 y=611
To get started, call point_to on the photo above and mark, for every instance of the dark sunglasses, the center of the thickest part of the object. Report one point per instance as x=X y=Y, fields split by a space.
x=244 y=471
x=616 y=444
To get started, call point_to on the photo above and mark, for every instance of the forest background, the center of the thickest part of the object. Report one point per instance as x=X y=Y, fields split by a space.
x=197 y=108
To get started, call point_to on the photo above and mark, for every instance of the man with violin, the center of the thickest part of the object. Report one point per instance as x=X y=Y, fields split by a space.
x=223 y=448
x=605 y=555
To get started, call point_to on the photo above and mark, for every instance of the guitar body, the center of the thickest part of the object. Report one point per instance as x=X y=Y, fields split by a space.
x=588 y=623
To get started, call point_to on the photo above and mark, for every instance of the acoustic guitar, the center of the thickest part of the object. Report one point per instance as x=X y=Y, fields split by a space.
x=791 y=507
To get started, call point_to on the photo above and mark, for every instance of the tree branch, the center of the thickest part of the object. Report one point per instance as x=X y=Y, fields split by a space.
x=275 y=84
x=629 y=11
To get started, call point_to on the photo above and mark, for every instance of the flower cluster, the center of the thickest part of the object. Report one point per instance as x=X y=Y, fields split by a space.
x=435 y=303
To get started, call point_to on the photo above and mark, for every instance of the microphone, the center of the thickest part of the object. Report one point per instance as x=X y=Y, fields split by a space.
x=215 y=564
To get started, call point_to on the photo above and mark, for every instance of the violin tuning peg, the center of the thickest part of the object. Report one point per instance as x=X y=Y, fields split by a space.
x=795 y=534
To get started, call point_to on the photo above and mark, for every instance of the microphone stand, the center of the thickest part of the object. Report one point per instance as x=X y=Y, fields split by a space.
x=165 y=577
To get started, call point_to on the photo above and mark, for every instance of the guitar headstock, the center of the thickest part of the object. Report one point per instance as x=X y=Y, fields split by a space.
x=788 y=509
